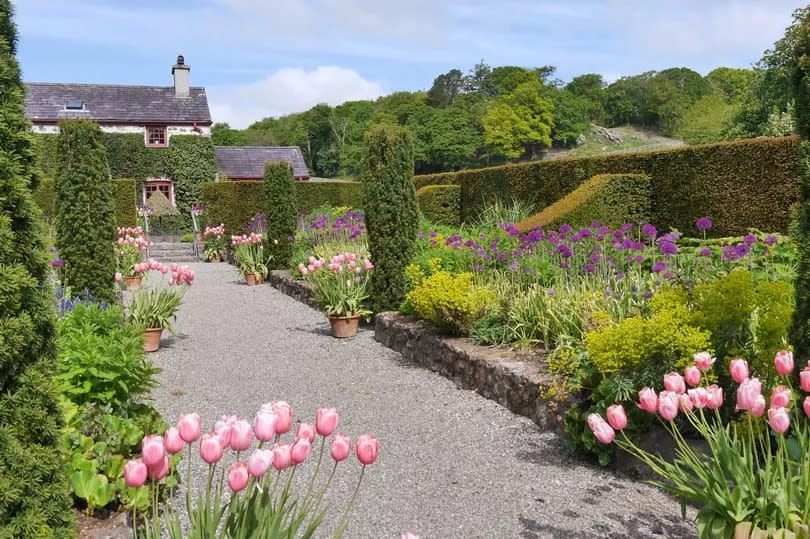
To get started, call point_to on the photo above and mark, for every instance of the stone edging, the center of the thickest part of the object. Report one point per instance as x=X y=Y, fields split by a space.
x=283 y=282
x=497 y=373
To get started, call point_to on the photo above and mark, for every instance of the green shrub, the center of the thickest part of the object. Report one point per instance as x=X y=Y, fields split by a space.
x=611 y=199
x=125 y=199
x=440 y=204
x=311 y=195
x=45 y=198
x=33 y=490
x=101 y=358
x=450 y=302
x=740 y=184
x=391 y=212
x=279 y=192
x=85 y=227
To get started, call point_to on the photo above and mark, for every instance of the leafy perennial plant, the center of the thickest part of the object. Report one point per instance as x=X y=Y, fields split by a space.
x=341 y=286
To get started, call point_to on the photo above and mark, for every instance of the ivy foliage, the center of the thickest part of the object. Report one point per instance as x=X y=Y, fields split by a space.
x=279 y=192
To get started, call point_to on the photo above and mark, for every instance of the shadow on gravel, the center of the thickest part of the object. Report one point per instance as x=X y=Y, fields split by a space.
x=670 y=527
x=319 y=330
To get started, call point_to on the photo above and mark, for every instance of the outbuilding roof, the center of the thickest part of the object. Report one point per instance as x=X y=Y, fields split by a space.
x=249 y=161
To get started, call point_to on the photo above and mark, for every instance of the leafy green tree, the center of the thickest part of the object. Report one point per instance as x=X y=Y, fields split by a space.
x=591 y=87
x=85 y=222
x=34 y=499
x=223 y=135
x=519 y=122
x=570 y=116
x=454 y=138
x=445 y=89
x=474 y=80
x=707 y=120
x=732 y=82
x=282 y=212
x=391 y=211
x=504 y=80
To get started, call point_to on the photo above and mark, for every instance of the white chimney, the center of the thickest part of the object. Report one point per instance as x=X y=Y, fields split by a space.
x=180 y=72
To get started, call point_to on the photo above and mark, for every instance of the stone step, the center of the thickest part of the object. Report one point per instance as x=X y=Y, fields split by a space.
x=186 y=259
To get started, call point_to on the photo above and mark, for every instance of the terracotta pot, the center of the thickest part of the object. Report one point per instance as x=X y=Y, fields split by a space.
x=344 y=326
x=199 y=236
x=134 y=283
x=151 y=339
x=214 y=259
x=252 y=278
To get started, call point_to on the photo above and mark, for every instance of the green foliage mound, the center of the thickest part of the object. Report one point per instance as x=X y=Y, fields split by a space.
x=391 y=211
x=611 y=199
x=279 y=192
x=450 y=302
x=85 y=222
x=440 y=204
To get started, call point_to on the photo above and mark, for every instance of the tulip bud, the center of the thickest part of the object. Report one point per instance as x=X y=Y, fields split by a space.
x=780 y=397
x=704 y=361
x=241 y=436
x=778 y=420
x=211 y=448
x=366 y=448
x=238 y=476
x=616 y=417
x=804 y=379
x=284 y=416
x=747 y=393
x=758 y=407
x=783 y=361
x=806 y=406
x=601 y=430
x=326 y=420
x=172 y=441
x=668 y=403
x=159 y=470
x=738 y=368
x=648 y=401
x=264 y=426
x=340 y=448
x=299 y=452
x=715 y=397
x=135 y=473
x=692 y=375
x=152 y=450
x=674 y=382
x=281 y=456
x=259 y=462
x=189 y=426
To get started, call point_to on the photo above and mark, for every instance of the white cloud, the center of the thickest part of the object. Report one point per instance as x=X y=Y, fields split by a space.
x=288 y=90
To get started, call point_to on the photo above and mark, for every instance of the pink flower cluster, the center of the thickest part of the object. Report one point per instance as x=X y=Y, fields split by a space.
x=129 y=231
x=343 y=262
x=214 y=231
x=677 y=398
x=246 y=239
x=179 y=274
x=273 y=420
x=151 y=265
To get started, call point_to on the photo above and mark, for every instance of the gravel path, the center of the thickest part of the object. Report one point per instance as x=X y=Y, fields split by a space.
x=452 y=464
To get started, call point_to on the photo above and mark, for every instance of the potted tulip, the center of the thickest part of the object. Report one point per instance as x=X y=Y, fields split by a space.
x=130 y=247
x=340 y=287
x=248 y=255
x=196 y=211
x=214 y=244
x=154 y=309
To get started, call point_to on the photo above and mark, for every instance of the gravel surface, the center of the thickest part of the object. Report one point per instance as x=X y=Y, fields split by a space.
x=452 y=464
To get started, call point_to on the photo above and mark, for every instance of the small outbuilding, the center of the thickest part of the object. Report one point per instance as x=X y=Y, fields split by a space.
x=247 y=162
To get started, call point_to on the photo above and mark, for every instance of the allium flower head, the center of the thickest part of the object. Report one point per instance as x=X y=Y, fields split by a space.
x=749 y=239
x=770 y=239
x=704 y=223
x=649 y=231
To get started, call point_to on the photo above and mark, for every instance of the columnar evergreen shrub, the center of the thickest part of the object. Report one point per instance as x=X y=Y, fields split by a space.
x=391 y=211
x=33 y=490
x=281 y=211
x=85 y=225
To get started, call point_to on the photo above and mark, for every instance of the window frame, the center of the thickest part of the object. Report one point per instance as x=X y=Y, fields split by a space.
x=157 y=183
x=165 y=136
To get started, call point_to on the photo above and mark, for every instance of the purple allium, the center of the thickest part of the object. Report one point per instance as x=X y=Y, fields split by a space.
x=575 y=237
x=589 y=268
x=743 y=249
x=596 y=224
x=668 y=248
x=626 y=227
x=704 y=223
x=585 y=232
x=620 y=275
x=421 y=235
x=595 y=258
x=57 y=263
x=434 y=243
x=648 y=294
x=513 y=265
x=564 y=265
x=705 y=251
x=600 y=237
x=659 y=267
x=730 y=253
x=481 y=236
x=649 y=231
x=749 y=239
x=565 y=228
x=501 y=256
x=434 y=233
x=770 y=239
x=550 y=292
x=667 y=275
x=564 y=250
x=608 y=292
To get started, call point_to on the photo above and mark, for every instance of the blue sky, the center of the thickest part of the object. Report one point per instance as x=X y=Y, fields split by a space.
x=270 y=57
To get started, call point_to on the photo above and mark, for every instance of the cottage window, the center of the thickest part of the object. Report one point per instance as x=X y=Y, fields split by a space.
x=164 y=186
x=156 y=136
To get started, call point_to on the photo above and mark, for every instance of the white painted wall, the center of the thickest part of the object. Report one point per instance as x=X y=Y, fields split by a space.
x=52 y=129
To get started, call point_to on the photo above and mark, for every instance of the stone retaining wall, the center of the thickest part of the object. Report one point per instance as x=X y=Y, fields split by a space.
x=283 y=282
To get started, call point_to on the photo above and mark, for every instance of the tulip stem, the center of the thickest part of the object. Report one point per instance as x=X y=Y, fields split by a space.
x=188 y=481
x=314 y=476
x=345 y=519
x=325 y=488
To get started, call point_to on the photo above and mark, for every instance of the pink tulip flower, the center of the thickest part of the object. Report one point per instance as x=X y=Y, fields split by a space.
x=674 y=382
x=685 y=403
x=804 y=378
x=117 y=277
x=778 y=420
x=299 y=452
x=783 y=361
x=264 y=426
x=692 y=375
x=738 y=368
x=160 y=469
x=601 y=430
x=699 y=396
x=285 y=416
x=189 y=426
x=648 y=400
x=704 y=361
x=172 y=441
x=758 y=407
x=747 y=393
x=340 y=448
x=367 y=447
x=211 y=448
x=806 y=406
x=152 y=450
x=306 y=430
x=223 y=428
x=668 y=403
x=780 y=397
x=326 y=420
x=135 y=473
x=238 y=476
x=241 y=436
x=408 y=535
x=616 y=416
x=281 y=456
x=259 y=462
x=715 y=397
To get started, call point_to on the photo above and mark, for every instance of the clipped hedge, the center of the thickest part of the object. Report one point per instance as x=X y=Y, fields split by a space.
x=611 y=199
x=235 y=202
x=739 y=184
x=45 y=198
x=281 y=210
x=125 y=198
x=440 y=204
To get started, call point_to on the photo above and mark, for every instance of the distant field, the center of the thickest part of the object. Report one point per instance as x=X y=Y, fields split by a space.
x=632 y=139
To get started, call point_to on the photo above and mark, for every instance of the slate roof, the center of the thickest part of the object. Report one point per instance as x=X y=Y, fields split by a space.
x=248 y=161
x=112 y=103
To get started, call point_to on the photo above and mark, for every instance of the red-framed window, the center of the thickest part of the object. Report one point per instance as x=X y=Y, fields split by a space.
x=164 y=186
x=156 y=135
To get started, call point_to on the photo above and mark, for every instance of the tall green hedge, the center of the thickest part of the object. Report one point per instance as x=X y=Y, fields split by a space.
x=34 y=499
x=611 y=199
x=85 y=212
x=281 y=211
x=125 y=197
x=235 y=202
x=392 y=214
x=440 y=204
x=739 y=184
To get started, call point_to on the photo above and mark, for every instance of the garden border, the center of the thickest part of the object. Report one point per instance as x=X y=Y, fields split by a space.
x=282 y=281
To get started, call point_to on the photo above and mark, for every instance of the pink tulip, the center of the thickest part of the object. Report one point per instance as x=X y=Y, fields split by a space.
x=704 y=361
x=135 y=473
x=674 y=382
x=715 y=397
x=806 y=406
x=259 y=462
x=780 y=397
x=616 y=416
x=211 y=448
x=172 y=441
x=699 y=396
x=408 y=535
x=758 y=407
x=804 y=379
x=241 y=436
x=285 y=416
x=281 y=456
x=117 y=277
x=778 y=420
x=340 y=448
x=366 y=448
x=692 y=375
x=783 y=361
x=738 y=369
x=668 y=403
x=189 y=426
x=685 y=403
x=160 y=469
x=152 y=450
x=238 y=476
x=747 y=393
x=648 y=401
x=299 y=452
x=601 y=430
x=223 y=428
x=306 y=430
x=264 y=426
x=326 y=420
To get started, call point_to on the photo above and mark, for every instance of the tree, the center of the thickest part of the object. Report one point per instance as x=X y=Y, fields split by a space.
x=453 y=139
x=591 y=87
x=35 y=500
x=570 y=116
x=707 y=120
x=474 y=80
x=503 y=80
x=282 y=212
x=733 y=83
x=85 y=222
x=445 y=89
x=520 y=122
x=223 y=135
x=391 y=211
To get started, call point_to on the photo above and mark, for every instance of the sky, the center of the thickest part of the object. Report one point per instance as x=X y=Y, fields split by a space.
x=260 y=58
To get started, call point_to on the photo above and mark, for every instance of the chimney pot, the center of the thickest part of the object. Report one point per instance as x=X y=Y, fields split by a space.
x=180 y=72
